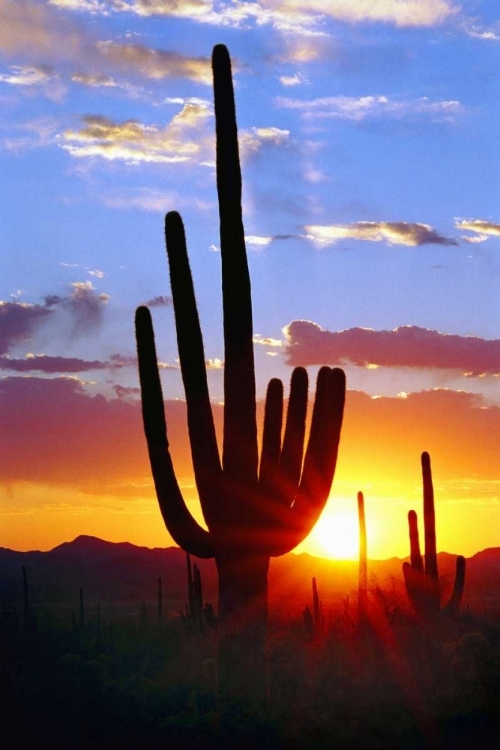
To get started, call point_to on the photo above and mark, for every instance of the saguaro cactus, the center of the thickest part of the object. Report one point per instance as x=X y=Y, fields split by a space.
x=253 y=510
x=363 y=563
x=422 y=581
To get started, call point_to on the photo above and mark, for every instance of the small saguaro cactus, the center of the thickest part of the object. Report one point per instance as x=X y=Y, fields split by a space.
x=363 y=563
x=422 y=578
x=253 y=510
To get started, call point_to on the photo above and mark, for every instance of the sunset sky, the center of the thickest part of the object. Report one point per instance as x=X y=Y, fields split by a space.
x=370 y=154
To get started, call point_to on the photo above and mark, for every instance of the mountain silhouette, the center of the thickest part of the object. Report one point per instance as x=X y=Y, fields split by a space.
x=125 y=574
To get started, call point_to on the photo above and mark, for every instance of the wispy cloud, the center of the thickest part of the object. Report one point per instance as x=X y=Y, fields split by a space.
x=156 y=63
x=374 y=107
x=482 y=228
x=406 y=346
x=392 y=232
x=159 y=301
x=288 y=15
x=135 y=142
x=18 y=320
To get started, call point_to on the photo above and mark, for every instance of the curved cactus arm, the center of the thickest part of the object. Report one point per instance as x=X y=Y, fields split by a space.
x=240 y=454
x=458 y=588
x=415 y=587
x=431 y=565
x=271 y=438
x=320 y=460
x=205 y=454
x=290 y=465
x=417 y=562
x=185 y=531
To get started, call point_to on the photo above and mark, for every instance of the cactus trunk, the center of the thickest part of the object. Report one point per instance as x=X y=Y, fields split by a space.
x=241 y=649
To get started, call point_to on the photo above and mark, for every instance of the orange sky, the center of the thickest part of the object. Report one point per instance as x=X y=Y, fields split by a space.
x=77 y=464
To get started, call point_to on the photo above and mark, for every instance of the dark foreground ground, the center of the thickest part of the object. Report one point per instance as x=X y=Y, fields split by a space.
x=150 y=684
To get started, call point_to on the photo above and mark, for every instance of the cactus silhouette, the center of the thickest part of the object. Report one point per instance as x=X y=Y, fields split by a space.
x=422 y=580
x=253 y=509
x=363 y=563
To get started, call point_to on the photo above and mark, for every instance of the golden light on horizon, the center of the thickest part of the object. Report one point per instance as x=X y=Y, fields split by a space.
x=336 y=534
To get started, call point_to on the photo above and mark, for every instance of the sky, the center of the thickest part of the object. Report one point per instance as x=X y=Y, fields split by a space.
x=369 y=144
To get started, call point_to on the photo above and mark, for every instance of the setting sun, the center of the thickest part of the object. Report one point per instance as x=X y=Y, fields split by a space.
x=336 y=535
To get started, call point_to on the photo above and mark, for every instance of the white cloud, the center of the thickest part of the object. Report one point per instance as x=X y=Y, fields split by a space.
x=392 y=232
x=380 y=106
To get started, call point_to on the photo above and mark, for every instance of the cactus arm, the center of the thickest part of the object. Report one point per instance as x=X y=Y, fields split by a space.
x=458 y=588
x=271 y=438
x=240 y=455
x=414 y=582
x=431 y=565
x=184 y=529
x=204 y=451
x=290 y=465
x=417 y=562
x=320 y=460
x=322 y=448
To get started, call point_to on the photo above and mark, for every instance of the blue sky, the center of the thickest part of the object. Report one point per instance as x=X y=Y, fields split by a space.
x=369 y=145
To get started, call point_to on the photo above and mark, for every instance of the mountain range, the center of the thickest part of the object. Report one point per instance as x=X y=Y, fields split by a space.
x=124 y=575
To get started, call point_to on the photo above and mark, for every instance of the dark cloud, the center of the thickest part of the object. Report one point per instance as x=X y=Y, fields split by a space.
x=52 y=299
x=123 y=391
x=45 y=363
x=407 y=346
x=86 y=307
x=53 y=431
x=69 y=365
x=161 y=300
x=18 y=320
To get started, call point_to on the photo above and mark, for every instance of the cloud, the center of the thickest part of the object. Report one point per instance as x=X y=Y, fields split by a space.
x=58 y=433
x=266 y=341
x=123 y=391
x=68 y=365
x=161 y=300
x=251 y=141
x=134 y=142
x=392 y=232
x=94 y=80
x=293 y=80
x=48 y=364
x=146 y=199
x=156 y=63
x=375 y=107
x=406 y=346
x=28 y=75
x=400 y=13
x=35 y=29
x=214 y=364
x=285 y=15
x=18 y=320
x=86 y=307
x=482 y=227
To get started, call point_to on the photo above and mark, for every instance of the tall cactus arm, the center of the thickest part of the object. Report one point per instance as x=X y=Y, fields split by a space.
x=290 y=465
x=458 y=588
x=417 y=562
x=205 y=454
x=320 y=460
x=185 y=531
x=240 y=456
x=271 y=438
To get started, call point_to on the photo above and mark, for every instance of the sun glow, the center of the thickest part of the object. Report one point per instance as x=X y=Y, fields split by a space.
x=336 y=535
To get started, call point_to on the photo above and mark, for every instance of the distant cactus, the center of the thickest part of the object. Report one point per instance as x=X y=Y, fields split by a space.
x=422 y=583
x=314 y=621
x=363 y=563
x=252 y=511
